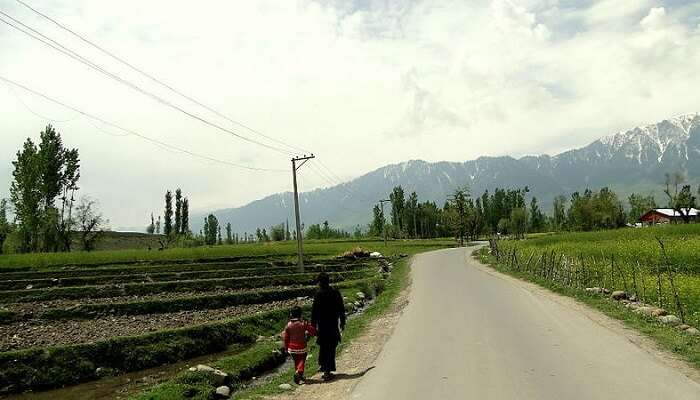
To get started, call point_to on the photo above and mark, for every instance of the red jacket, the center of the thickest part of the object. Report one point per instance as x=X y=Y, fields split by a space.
x=295 y=335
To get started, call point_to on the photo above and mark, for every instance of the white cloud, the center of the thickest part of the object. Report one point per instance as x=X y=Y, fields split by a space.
x=426 y=79
x=655 y=19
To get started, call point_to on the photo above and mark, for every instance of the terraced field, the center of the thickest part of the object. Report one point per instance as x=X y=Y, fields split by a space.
x=61 y=325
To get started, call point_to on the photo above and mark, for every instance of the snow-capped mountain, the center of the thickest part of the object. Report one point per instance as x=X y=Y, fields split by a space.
x=633 y=160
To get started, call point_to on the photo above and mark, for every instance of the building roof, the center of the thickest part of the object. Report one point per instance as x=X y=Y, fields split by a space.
x=670 y=212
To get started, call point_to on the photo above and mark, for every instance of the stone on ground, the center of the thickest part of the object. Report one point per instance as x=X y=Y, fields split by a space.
x=619 y=295
x=218 y=377
x=670 y=320
x=692 y=331
x=659 y=312
x=285 y=386
x=223 y=392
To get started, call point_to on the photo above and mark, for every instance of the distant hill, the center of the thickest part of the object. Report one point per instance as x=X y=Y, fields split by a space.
x=634 y=160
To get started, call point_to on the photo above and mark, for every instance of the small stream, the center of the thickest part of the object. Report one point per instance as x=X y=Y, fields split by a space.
x=124 y=385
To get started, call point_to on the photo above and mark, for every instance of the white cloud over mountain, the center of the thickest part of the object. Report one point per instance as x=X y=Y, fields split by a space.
x=361 y=83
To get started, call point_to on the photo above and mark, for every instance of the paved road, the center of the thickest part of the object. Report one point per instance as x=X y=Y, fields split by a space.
x=471 y=334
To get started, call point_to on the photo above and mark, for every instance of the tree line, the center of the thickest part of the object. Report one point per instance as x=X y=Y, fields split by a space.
x=509 y=211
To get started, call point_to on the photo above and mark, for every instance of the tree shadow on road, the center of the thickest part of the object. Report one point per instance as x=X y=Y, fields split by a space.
x=339 y=377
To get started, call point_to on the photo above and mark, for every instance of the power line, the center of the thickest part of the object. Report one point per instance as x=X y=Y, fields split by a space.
x=70 y=53
x=156 y=80
x=342 y=186
x=135 y=133
x=337 y=182
x=19 y=99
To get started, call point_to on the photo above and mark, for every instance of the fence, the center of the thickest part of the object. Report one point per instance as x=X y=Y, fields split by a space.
x=655 y=284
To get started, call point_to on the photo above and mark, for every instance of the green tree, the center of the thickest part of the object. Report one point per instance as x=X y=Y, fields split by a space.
x=518 y=222
x=26 y=196
x=537 y=218
x=178 y=212
x=639 y=205
x=151 y=228
x=277 y=233
x=185 y=225
x=5 y=226
x=398 y=204
x=458 y=213
x=59 y=174
x=229 y=233
x=559 y=212
x=377 y=226
x=168 y=218
x=211 y=230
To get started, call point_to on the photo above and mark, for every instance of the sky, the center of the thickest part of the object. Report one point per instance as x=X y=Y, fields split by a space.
x=361 y=84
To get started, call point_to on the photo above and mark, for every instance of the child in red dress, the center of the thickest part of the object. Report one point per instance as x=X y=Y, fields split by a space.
x=295 y=336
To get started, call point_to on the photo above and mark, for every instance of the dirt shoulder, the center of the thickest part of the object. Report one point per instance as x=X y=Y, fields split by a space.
x=356 y=359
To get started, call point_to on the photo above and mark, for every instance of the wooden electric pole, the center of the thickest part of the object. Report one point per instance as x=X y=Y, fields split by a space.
x=295 y=167
x=383 y=219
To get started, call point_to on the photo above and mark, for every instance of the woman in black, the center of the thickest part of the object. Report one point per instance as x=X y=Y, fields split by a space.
x=328 y=315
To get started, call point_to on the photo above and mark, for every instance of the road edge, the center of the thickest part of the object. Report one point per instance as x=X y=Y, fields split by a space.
x=602 y=312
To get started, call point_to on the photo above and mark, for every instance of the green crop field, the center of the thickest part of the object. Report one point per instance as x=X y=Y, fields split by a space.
x=628 y=259
x=67 y=318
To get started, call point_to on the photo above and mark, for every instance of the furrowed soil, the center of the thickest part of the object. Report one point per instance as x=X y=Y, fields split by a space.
x=41 y=333
x=39 y=306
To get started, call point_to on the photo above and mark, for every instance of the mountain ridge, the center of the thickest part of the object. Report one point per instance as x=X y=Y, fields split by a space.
x=636 y=159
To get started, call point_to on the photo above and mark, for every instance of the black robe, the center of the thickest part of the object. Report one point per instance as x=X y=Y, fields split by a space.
x=328 y=313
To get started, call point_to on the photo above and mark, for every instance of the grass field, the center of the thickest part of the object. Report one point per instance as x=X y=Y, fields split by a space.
x=68 y=318
x=625 y=259
x=286 y=250
x=639 y=265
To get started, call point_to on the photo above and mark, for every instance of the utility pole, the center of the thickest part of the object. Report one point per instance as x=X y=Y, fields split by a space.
x=295 y=167
x=383 y=219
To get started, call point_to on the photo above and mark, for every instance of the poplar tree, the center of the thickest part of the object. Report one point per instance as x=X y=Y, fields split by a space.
x=185 y=226
x=178 y=211
x=168 y=221
x=229 y=233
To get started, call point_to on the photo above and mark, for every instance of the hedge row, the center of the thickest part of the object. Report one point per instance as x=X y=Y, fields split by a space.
x=40 y=369
x=132 y=289
x=90 y=311
x=168 y=276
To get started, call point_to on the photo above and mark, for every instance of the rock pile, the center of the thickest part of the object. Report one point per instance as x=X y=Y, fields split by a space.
x=355 y=254
x=638 y=307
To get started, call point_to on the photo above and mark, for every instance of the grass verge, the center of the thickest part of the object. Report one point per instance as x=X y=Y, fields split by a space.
x=669 y=338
